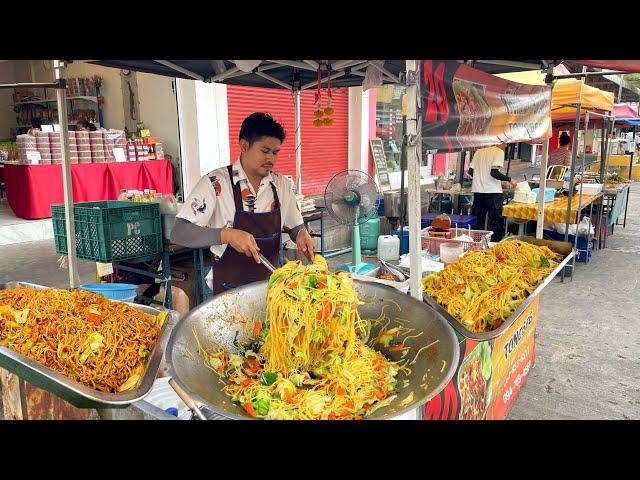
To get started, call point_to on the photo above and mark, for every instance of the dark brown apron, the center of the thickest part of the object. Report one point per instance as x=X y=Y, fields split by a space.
x=234 y=269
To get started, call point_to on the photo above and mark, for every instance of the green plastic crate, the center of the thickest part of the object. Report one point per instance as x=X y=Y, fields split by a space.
x=109 y=231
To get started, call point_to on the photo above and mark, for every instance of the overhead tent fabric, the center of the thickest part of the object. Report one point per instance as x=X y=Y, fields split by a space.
x=620 y=65
x=624 y=111
x=570 y=91
x=566 y=92
x=266 y=73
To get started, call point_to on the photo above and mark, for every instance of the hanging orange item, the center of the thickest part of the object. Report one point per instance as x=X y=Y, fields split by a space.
x=317 y=122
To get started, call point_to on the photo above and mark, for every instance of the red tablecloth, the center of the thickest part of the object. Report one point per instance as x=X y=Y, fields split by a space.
x=32 y=189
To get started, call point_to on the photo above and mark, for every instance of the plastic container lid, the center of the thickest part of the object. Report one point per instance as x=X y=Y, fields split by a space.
x=172 y=411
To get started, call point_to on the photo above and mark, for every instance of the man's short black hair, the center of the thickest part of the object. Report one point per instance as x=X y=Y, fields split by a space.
x=260 y=124
x=36 y=122
x=565 y=139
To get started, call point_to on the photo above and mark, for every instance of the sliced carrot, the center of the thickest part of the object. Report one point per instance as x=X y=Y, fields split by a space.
x=358 y=417
x=331 y=416
x=395 y=348
x=249 y=409
x=288 y=395
x=246 y=382
x=341 y=391
x=92 y=317
x=379 y=394
x=257 y=328
x=367 y=407
x=349 y=404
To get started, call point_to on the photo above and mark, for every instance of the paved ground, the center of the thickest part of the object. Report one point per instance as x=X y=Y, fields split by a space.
x=588 y=339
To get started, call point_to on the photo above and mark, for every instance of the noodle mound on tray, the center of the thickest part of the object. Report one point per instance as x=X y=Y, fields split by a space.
x=82 y=335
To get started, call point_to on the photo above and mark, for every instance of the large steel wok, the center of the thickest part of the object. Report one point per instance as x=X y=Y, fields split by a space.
x=223 y=317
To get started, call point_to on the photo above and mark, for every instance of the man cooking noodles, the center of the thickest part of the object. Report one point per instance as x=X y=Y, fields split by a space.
x=240 y=210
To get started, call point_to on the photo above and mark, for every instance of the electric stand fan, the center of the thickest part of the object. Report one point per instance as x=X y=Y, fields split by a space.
x=351 y=198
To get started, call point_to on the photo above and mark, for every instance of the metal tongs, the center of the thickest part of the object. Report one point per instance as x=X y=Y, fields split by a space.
x=266 y=263
x=186 y=398
x=394 y=270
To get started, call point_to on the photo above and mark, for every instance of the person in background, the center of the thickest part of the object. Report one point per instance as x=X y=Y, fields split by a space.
x=36 y=125
x=561 y=156
x=487 y=188
x=85 y=126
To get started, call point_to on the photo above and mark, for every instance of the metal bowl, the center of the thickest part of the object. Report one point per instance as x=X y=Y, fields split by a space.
x=224 y=316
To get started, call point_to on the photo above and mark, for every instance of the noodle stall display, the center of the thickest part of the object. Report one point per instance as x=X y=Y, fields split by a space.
x=265 y=350
x=489 y=296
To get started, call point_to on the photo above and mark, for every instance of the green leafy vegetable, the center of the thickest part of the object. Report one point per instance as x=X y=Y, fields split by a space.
x=268 y=378
x=544 y=261
x=275 y=277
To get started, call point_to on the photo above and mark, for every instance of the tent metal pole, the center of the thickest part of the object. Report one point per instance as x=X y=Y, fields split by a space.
x=632 y=150
x=296 y=102
x=575 y=238
x=543 y=170
x=543 y=186
x=180 y=69
x=413 y=164
x=403 y=166
x=61 y=97
x=574 y=154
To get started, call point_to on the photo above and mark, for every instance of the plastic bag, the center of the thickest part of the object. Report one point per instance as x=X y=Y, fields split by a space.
x=372 y=76
x=584 y=228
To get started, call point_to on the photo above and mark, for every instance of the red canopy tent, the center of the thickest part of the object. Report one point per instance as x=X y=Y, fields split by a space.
x=621 y=65
x=624 y=110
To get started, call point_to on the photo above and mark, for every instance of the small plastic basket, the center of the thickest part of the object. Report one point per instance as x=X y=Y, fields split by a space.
x=480 y=238
x=125 y=292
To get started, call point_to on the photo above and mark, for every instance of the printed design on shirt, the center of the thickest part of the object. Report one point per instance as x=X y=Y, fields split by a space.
x=216 y=184
x=249 y=199
x=198 y=206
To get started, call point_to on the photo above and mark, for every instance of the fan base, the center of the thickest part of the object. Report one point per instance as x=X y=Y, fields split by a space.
x=359 y=269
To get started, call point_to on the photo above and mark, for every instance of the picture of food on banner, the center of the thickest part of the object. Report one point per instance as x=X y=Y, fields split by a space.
x=474 y=111
x=474 y=383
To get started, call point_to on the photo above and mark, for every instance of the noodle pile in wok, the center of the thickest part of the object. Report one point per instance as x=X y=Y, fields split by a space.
x=82 y=335
x=310 y=360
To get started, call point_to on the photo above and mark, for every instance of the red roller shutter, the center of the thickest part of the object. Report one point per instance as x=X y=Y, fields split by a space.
x=324 y=150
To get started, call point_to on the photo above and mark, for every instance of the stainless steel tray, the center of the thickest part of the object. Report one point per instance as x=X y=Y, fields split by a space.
x=74 y=392
x=563 y=248
x=223 y=317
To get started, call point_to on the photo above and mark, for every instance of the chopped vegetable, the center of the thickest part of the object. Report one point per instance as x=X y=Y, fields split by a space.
x=249 y=409
x=268 y=378
x=257 y=328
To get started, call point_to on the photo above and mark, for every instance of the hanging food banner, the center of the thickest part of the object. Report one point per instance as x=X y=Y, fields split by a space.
x=464 y=108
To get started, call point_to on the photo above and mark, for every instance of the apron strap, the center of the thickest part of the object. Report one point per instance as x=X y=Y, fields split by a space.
x=237 y=194
x=275 y=196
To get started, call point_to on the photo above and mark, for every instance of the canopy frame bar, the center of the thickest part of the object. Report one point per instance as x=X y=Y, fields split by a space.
x=180 y=69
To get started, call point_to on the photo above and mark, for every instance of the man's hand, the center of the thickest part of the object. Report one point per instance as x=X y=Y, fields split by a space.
x=305 y=243
x=241 y=242
x=514 y=184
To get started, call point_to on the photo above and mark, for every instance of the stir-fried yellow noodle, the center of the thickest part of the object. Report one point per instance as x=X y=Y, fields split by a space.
x=482 y=289
x=84 y=336
x=311 y=361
